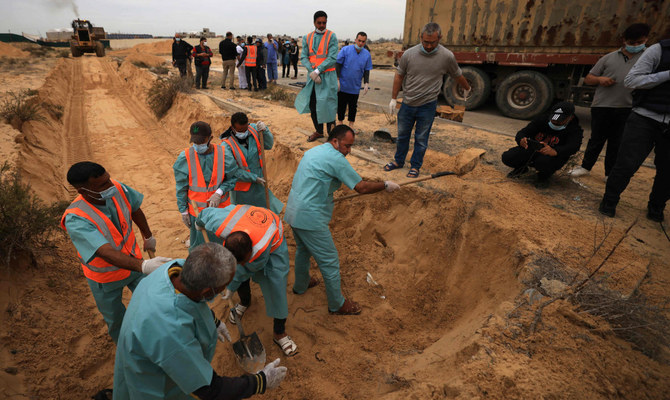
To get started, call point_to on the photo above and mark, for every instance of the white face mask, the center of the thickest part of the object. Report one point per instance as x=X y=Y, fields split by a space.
x=177 y=39
x=241 y=135
x=204 y=43
x=320 y=30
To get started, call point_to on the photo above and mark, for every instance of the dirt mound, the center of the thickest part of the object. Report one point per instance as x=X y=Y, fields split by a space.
x=156 y=48
x=146 y=59
x=7 y=50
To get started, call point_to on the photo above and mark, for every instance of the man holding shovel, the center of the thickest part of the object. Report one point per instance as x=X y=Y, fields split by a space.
x=309 y=209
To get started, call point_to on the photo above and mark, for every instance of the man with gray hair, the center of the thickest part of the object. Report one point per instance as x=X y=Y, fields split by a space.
x=420 y=74
x=168 y=339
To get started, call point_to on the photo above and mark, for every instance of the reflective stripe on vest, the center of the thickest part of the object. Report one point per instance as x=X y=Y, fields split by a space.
x=198 y=191
x=241 y=159
x=250 y=59
x=262 y=225
x=98 y=269
x=321 y=53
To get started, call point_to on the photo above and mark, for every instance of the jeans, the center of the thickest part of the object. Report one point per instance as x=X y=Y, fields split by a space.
x=272 y=71
x=423 y=116
x=606 y=126
x=201 y=73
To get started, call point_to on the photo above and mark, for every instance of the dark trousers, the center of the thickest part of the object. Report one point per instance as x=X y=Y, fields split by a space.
x=295 y=67
x=517 y=157
x=285 y=70
x=250 y=72
x=312 y=110
x=181 y=64
x=606 y=126
x=244 y=291
x=344 y=100
x=201 y=73
x=262 y=82
x=640 y=135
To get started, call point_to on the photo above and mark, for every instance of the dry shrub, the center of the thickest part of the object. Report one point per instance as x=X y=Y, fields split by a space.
x=163 y=92
x=160 y=70
x=63 y=53
x=140 y=64
x=40 y=51
x=55 y=110
x=11 y=63
x=20 y=107
x=276 y=93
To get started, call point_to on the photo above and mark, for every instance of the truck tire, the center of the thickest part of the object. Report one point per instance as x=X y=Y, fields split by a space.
x=99 y=49
x=478 y=80
x=76 y=52
x=524 y=94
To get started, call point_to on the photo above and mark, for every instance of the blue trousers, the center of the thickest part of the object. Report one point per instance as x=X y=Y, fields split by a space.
x=423 y=116
x=108 y=298
x=320 y=245
x=272 y=71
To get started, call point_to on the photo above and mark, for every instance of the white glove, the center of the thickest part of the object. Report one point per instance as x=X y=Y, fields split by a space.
x=150 y=265
x=366 y=87
x=150 y=244
x=274 y=374
x=261 y=181
x=392 y=106
x=186 y=219
x=317 y=80
x=314 y=74
x=222 y=332
x=391 y=186
x=214 y=200
x=260 y=125
x=226 y=294
x=466 y=93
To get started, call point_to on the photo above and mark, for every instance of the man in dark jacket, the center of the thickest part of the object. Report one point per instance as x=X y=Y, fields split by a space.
x=202 y=55
x=181 y=52
x=261 y=60
x=546 y=143
x=228 y=51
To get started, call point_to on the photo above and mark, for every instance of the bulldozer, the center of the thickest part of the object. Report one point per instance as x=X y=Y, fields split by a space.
x=86 y=39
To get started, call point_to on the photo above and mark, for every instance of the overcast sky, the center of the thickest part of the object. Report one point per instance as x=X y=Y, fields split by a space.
x=379 y=18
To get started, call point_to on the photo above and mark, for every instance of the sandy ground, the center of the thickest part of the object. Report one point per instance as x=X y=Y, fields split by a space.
x=451 y=258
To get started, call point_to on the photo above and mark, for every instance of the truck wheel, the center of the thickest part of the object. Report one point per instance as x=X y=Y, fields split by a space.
x=524 y=94
x=76 y=52
x=99 y=49
x=478 y=80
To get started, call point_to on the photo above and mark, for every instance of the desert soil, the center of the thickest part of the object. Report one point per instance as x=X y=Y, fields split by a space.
x=451 y=257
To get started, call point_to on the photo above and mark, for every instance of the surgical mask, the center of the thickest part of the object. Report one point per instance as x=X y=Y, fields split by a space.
x=428 y=53
x=204 y=43
x=557 y=127
x=357 y=47
x=635 y=49
x=241 y=135
x=105 y=194
x=320 y=30
x=177 y=39
x=201 y=148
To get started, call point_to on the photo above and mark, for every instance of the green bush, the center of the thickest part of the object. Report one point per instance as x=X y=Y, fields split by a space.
x=26 y=223
x=20 y=107
x=163 y=92
x=55 y=110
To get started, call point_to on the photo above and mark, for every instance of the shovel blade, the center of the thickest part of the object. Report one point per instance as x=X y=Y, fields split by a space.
x=250 y=353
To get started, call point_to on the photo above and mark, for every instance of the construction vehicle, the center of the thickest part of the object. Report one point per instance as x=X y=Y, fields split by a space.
x=529 y=54
x=86 y=39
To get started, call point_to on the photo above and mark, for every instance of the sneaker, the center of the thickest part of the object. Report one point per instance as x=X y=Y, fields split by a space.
x=579 y=171
x=517 y=172
x=239 y=310
x=655 y=213
x=607 y=208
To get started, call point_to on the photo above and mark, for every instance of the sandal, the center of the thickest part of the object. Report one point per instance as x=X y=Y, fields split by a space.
x=313 y=281
x=314 y=136
x=348 y=308
x=239 y=310
x=391 y=166
x=287 y=345
x=413 y=173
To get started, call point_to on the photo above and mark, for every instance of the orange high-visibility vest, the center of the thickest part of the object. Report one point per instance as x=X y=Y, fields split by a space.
x=250 y=59
x=262 y=225
x=198 y=191
x=241 y=159
x=317 y=58
x=98 y=269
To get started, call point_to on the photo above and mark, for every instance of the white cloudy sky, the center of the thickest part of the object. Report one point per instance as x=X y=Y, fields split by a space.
x=379 y=18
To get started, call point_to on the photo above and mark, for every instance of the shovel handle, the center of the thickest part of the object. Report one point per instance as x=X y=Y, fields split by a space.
x=151 y=253
x=265 y=175
x=407 y=182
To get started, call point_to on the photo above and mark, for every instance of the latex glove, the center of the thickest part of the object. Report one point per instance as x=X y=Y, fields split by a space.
x=317 y=80
x=150 y=244
x=274 y=374
x=150 y=265
x=466 y=93
x=391 y=186
x=261 y=181
x=214 y=200
x=222 y=332
x=338 y=85
x=392 y=106
x=366 y=87
x=314 y=74
x=186 y=219
x=260 y=125
x=226 y=294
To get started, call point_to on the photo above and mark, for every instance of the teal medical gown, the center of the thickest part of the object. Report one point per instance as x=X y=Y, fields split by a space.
x=166 y=344
x=87 y=239
x=326 y=91
x=255 y=196
x=269 y=270
x=180 y=168
x=309 y=209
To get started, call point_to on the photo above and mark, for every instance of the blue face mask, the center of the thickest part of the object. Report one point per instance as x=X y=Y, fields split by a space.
x=557 y=127
x=201 y=148
x=357 y=47
x=428 y=53
x=177 y=39
x=636 y=49
x=104 y=195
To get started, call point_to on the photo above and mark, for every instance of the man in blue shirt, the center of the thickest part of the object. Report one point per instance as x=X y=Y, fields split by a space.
x=353 y=65
x=309 y=209
x=271 y=62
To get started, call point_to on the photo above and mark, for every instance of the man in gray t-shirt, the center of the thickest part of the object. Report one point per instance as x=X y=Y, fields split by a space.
x=420 y=73
x=613 y=101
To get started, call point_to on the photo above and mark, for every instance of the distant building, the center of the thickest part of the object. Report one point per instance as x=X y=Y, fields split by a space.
x=59 y=35
x=129 y=36
x=195 y=34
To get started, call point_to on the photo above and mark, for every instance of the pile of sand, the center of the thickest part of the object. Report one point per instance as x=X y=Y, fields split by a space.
x=162 y=47
x=148 y=59
x=7 y=50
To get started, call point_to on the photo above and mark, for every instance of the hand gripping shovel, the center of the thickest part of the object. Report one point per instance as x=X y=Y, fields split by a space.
x=249 y=350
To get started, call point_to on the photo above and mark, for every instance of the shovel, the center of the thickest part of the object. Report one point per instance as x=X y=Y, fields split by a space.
x=249 y=350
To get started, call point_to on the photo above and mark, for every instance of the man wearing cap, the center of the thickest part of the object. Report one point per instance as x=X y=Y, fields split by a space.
x=546 y=144
x=205 y=174
x=353 y=65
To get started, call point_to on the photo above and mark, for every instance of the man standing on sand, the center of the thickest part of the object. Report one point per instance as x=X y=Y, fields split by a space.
x=228 y=51
x=203 y=58
x=353 y=65
x=271 y=46
x=181 y=54
x=319 y=96
x=261 y=64
x=420 y=73
x=250 y=61
x=241 y=74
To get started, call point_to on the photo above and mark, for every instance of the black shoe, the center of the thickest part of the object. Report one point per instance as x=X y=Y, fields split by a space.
x=255 y=89
x=655 y=213
x=517 y=172
x=223 y=87
x=232 y=88
x=541 y=182
x=204 y=87
x=607 y=208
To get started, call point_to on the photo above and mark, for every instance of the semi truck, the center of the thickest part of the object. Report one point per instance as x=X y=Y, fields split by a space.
x=527 y=54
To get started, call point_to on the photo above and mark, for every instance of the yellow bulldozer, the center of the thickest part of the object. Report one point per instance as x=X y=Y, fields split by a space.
x=86 y=39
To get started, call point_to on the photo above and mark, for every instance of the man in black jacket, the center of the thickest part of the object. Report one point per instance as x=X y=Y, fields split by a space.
x=181 y=52
x=228 y=51
x=203 y=58
x=546 y=143
x=261 y=60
